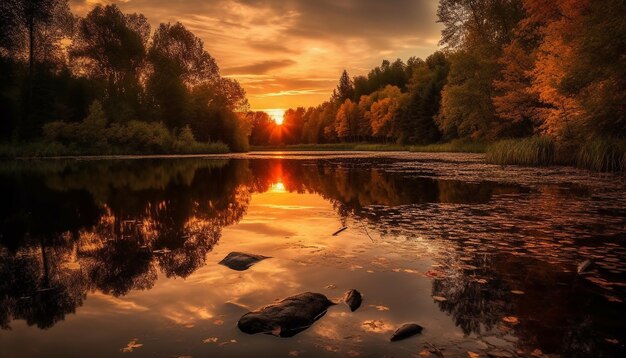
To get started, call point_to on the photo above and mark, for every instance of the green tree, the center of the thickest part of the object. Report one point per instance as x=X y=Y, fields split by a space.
x=111 y=47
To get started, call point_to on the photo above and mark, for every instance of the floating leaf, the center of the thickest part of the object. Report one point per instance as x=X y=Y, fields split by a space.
x=473 y=355
x=439 y=299
x=131 y=345
x=517 y=292
x=511 y=319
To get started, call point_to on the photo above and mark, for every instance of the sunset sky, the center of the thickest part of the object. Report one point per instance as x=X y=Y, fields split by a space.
x=289 y=53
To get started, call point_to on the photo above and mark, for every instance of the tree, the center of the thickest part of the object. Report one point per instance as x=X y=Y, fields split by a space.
x=347 y=120
x=110 y=46
x=344 y=90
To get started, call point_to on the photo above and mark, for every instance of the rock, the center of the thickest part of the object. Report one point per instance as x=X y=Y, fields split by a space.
x=353 y=299
x=407 y=330
x=287 y=317
x=240 y=261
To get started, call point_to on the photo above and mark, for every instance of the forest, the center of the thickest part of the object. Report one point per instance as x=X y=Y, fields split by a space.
x=107 y=82
x=552 y=73
x=540 y=82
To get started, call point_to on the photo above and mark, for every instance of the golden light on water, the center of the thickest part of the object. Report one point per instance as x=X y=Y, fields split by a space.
x=278 y=187
x=277 y=114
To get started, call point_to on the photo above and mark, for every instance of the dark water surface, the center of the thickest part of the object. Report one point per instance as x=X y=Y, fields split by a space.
x=109 y=258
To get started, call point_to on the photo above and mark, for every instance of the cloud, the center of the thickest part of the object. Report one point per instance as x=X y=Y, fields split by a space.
x=258 y=68
x=274 y=47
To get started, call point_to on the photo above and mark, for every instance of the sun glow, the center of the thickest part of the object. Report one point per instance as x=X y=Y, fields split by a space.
x=277 y=114
x=278 y=187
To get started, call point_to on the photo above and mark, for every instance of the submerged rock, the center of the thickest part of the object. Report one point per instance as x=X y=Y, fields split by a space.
x=241 y=261
x=353 y=299
x=407 y=330
x=287 y=317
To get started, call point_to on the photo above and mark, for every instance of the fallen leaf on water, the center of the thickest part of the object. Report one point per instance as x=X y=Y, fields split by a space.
x=435 y=273
x=439 y=298
x=482 y=281
x=376 y=325
x=331 y=287
x=131 y=345
x=612 y=340
x=218 y=322
x=425 y=353
x=517 y=292
x=511 y=319
x=473 y=355
x=380 y=307
x=353 y=353
x=537 y=353
x=613 y=299
x=210 y=340
x=294 y=353
x=231 y=341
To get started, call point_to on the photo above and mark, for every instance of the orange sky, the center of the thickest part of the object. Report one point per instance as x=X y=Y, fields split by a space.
x=289 y=53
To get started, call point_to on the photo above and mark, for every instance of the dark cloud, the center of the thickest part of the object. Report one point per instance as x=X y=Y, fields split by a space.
x=258 y=68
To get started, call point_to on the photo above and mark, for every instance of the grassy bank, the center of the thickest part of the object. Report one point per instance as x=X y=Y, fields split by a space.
x=54 y=149
x=600 y=154
x=332 y=147
x=455 y=146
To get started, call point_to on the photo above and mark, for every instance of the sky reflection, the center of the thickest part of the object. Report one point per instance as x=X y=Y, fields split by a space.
x=130 y=262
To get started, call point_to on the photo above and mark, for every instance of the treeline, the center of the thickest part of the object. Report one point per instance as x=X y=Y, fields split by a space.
x=507 y=69
x=107 y=80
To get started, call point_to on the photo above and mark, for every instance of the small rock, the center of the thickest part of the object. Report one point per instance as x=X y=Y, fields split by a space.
x=499 y=354
x=353 y=299
x=240 y=261
x=407 y=330
x=287 y=317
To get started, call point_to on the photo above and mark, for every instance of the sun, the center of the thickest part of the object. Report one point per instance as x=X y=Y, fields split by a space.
x=277 y=114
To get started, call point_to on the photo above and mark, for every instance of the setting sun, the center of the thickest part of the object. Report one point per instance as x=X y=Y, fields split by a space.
x=277 y=114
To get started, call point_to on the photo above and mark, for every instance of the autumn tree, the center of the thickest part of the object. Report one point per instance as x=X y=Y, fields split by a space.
x=347 y=120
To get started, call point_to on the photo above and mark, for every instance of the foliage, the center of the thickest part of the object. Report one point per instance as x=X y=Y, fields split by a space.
x=167 y=77
x=95 y=135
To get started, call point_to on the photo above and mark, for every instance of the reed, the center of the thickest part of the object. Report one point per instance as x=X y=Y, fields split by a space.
x=602 y=155
x=533 y=151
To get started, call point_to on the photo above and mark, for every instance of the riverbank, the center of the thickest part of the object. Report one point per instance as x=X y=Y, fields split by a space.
x=55 y=150
x=455 y=146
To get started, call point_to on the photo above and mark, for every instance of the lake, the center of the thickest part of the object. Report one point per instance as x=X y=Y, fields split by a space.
x=119 y=257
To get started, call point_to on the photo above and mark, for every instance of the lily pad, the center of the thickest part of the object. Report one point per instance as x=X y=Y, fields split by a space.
x=287 y=317
x=241 y=261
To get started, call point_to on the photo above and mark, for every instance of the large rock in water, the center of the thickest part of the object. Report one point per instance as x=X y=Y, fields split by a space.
x=241 y=261
x=287 y=317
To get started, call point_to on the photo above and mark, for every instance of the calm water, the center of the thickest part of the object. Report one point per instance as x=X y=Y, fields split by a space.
x=119 y=257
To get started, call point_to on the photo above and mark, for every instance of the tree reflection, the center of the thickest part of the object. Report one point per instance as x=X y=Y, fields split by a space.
x=70 y=228
x=110 y=226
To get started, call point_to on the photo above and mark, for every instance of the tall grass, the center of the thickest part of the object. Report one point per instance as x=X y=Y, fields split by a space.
x=454 y=146
x=602 y=155
x=533 y=151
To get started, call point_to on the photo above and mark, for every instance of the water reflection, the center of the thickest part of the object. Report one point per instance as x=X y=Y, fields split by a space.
x=499 y=256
